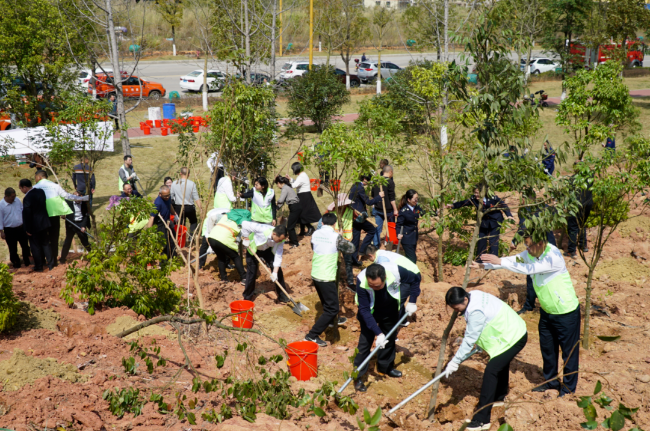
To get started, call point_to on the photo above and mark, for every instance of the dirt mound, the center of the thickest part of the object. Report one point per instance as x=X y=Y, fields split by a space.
x=125 y=322
x=32 y=317
x=22 y=369
x=623 y=269
x=262 y=423
x=634 y=225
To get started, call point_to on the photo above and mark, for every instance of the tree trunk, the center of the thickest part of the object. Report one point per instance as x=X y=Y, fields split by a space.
x=441 y=275
x=247 y=36
x=585 y=336
x=273 y=25
x=117 y=78
x=174 y=40
x=205 y=84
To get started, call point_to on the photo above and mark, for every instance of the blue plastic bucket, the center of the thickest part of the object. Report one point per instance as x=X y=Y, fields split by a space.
x=169 y=111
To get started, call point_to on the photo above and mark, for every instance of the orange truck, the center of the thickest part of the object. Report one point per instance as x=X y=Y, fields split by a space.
x=132 y=86
x=635 y=53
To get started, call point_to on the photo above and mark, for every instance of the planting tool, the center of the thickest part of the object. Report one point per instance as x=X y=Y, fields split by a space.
x=141 y=188
x=297 y=308
x=399 y=243
x=415 y=394
x=204 y=254
x=365 y=362
x=86 y=232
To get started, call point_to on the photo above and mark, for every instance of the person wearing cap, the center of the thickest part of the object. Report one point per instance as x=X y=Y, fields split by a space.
x=344 y=226
x=267 y=243
x=360 y=201
x=494 y=327
x=559 y=320
x=378 y=299
x=383 y=256
x=326 y=244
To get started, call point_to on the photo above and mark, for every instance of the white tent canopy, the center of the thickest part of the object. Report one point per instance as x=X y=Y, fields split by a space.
x=34 y=139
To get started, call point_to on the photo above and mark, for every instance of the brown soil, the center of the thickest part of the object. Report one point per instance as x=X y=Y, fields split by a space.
x=86 y=359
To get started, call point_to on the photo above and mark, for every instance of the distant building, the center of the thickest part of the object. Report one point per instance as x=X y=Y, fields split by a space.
x=400 y=4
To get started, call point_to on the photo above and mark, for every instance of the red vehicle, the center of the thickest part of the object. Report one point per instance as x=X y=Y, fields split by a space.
x=635 y=53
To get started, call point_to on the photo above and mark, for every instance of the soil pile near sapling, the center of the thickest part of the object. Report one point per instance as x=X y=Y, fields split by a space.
x=623 y=269
x=33 y=317
x=634 y=226
x=21 y=370
x=123 y=323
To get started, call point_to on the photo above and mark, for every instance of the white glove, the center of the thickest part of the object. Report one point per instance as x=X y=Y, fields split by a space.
x=274 y=277
x=246 y=242
x=381 y=341
x=85 y=198
x=410 y=308
x=451 y=368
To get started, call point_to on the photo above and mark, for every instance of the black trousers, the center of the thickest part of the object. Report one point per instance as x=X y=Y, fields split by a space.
x=488 y=241
x=169 y=247
x=13 y=237
x=560 y=331
x=266 y=256
x=576 y=230
x=41 y=250
x=203 y=250
x=385 y=356
x=496 y=379
x=328 y=293
x=294 y=217
x=53 y=236
x=369 y=229
x=349 y=271
x=409 y=252
x=224 y=254
x=531 y=295
x=189 y=213
x=70 y=232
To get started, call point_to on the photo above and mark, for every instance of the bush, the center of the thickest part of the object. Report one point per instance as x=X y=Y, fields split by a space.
x=9 y=305
x=117 y=272
x=317 y=95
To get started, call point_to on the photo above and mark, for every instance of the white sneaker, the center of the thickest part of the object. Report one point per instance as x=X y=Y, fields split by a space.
x=477 y=426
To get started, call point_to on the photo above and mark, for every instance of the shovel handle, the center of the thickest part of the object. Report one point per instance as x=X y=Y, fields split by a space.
x=365 y=362
x=270 y=273
x=415 y=394
x=399 y=243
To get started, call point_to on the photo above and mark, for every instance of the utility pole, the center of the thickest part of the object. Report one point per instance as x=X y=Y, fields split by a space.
x=117 y=80
x=311 y=33
x=280 y=25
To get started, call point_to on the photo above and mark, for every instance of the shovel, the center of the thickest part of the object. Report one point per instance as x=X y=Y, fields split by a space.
x=399 y=243
x=365 y=362
x=75 y=225
x=415 y=394
x=297 y=308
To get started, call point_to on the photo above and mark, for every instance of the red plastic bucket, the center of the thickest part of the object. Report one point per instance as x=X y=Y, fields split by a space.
x=157 y=123
x=392 y=233
x=303 y=359
x=314 y=184
x=181 y=235
x=335 y=185
x=146 y=130
x=142 y=125
x=164 y=131
x=242 y=320
x=195 y=129
x=149 y=123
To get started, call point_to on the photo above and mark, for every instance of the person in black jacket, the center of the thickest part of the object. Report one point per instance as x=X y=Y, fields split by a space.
x=83 y=179
x=490 y=224
x=360 y=201
x=576 y=224
x=81 y=219
x=37 y=224
x=389 y=201
x=409 y=215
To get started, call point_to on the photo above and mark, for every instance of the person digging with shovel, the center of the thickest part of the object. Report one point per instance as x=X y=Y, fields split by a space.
x=495 y=328
x=267 y=243
x=378 y=299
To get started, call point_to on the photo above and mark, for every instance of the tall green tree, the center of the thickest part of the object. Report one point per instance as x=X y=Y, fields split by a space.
x=382 y=18
x=172 y=12
x=624 y=19
x=354 y=31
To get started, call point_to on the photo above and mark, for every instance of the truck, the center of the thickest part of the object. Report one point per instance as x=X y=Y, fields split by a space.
x=591 y=58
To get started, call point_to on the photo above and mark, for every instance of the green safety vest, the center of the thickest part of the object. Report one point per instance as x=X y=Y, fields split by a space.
x=348 y=217
x=226 y=232
x=135 y=226
x=398 y=260
x=221 y=199
x=558 y=295
x=120 y=183
x=261 y=213
x=391 y=284
x=504 y=327
x=324 y=263
x=252 y=248
x=55 y=204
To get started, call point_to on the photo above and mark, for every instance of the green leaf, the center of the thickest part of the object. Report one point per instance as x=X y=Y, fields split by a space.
x=362 y=426
x=608 y=338
x=590 y=412
x=584 y=402
x=591 y=425
x=616 y=421
x=598 y=387
x=191 y=418
x=376 y=417
x=505 y=427
x=366 y=416
x=319 y=412
x=626 y=412
x=220 y=361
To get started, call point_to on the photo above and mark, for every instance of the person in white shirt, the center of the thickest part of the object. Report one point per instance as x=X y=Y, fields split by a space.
x=267 y=242
x=224 y=195
x=310 y=212
x=12 y=229
x=215 y=162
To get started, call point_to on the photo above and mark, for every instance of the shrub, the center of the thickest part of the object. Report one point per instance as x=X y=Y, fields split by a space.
x=117 y=272
x=9 y=305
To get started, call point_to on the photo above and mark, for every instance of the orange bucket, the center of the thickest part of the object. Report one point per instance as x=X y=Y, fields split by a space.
x=146 y=130
x=157 y=123
x=314 y=184
x=303 y=359
x=300 y=154
x=392 y=233
x=164 y=131
x=335 y=185
x=149 y=123
x=195 y=129
x=181 y=235
x=243 y=320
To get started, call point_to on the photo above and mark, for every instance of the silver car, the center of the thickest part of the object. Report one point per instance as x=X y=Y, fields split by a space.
x=368 y=70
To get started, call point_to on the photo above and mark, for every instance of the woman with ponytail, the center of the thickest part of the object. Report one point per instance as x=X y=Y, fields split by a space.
x=408 y=217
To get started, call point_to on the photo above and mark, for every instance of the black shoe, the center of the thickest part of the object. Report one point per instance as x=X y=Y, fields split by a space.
x=585 y=249
x=230 y=266
x=393 y=373
x=542 y=388
x=310 y=231
x=571 y=255
x=477 y=426
x=62 y=261
x=341 y=321
x=316 y=340
x=243 y=282
x=283 y=298
x=359 y=386
x=352 y=287
x=523 y=310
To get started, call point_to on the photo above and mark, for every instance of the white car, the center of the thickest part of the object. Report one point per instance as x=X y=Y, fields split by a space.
x=193 y=81
x=540 y=65
x=294 y=68
x=85 y=75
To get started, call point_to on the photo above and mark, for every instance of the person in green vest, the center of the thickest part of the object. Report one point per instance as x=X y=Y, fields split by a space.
x=559 y=320
x=346 y=217
x=224 y=195
x=498 y=330
x=326 y=244
x=268 y=244
x=56 y=206
x=263 y=205
x=378 y=299
x=211 y=218
x=127 y=174
x=224 y=241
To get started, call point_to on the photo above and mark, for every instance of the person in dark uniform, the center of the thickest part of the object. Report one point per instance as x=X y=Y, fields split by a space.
x=162 y=220
x=408 y=217
x=37 y=225
x=576 y=224
x=360 y=201
x=490 y=224
x=80 y=218
x=378 y=298
x=549 y=158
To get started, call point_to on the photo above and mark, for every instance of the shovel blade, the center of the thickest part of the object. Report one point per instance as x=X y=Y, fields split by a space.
x=297 y=310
